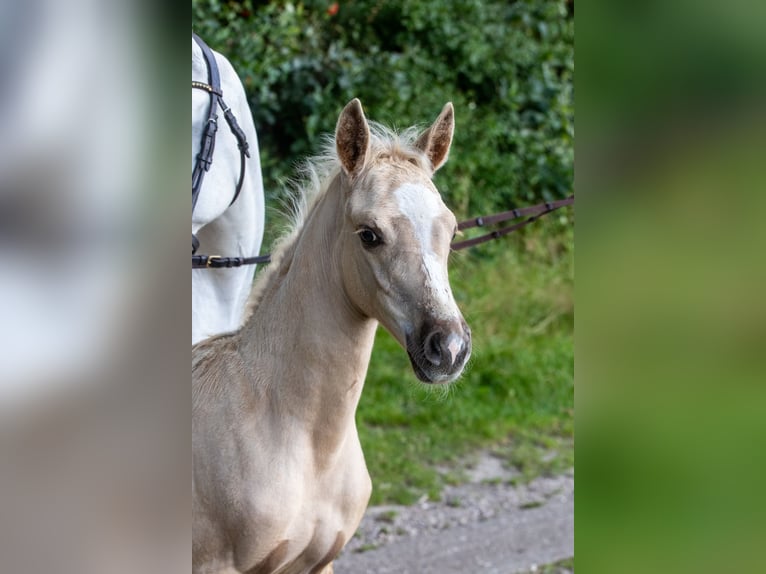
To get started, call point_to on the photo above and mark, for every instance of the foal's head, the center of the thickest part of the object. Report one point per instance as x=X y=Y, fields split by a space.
x=398 y=239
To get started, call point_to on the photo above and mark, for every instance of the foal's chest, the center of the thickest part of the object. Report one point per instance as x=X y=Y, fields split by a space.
x=310 y=517
x=287 y=558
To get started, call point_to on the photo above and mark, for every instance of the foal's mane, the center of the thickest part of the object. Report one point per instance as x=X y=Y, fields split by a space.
x=314 y=178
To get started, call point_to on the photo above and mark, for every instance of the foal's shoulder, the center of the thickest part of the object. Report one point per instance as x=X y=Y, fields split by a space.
x=212 y=351
x=212 y=361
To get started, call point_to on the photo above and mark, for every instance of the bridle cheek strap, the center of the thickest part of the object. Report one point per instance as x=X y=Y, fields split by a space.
x=205 y=156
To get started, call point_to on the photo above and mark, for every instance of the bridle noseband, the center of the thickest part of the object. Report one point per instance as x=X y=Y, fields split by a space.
x=205 y=155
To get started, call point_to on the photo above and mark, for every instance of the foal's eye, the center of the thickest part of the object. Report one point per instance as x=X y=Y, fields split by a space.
x=369 y=238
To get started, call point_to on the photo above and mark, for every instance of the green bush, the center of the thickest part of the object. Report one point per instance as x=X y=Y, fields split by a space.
x=507 y=66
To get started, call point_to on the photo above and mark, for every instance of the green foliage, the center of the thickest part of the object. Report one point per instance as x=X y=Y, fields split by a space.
x=507 y=66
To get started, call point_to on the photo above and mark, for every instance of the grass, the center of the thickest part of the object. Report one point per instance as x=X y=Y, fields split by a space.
x=560 y=567
x=534 y=454
x=517 y=394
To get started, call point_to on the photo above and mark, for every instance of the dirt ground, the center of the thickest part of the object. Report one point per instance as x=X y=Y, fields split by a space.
x=485 y=525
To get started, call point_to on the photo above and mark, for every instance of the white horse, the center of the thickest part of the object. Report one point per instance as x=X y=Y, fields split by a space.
x=279 y=480
x=223 y=228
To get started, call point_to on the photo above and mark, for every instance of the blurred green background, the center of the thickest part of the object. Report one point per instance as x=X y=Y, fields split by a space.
x=508 y=68
x=671 y=324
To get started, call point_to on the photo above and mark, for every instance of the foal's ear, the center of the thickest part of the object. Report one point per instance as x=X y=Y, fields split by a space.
x=352 y=138
x=436 y=140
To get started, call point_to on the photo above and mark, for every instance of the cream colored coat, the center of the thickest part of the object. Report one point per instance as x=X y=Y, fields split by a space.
x=279 y=480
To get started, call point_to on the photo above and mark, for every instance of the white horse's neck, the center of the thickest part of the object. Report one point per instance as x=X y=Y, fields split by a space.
x=314 y=343
x=223 y=228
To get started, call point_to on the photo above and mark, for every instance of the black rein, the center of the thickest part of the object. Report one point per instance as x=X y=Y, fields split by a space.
x=533 y=213
x=218 y=262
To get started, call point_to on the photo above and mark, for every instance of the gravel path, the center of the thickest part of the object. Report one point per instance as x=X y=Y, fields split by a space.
x=482 y=526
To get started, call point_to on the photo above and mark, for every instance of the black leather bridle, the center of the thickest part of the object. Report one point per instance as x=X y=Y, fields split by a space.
x=205 y=155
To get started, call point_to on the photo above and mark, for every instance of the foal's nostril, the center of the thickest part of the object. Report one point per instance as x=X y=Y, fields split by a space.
x=433 y=348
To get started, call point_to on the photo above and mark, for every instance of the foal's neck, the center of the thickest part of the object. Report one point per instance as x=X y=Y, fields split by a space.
x=310 y=341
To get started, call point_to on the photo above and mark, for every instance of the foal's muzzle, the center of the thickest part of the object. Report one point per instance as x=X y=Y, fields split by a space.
x=439 y=350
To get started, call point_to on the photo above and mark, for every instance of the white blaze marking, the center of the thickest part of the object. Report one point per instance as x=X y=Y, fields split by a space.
x=420 y=205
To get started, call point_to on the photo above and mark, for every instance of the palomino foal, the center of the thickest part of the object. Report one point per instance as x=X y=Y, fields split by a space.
x=279 y=479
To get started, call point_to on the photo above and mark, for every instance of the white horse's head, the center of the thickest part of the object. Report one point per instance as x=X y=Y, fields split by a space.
x=398 y=240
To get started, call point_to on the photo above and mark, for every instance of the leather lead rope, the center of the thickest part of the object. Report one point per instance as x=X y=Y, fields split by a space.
x=534 y=212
